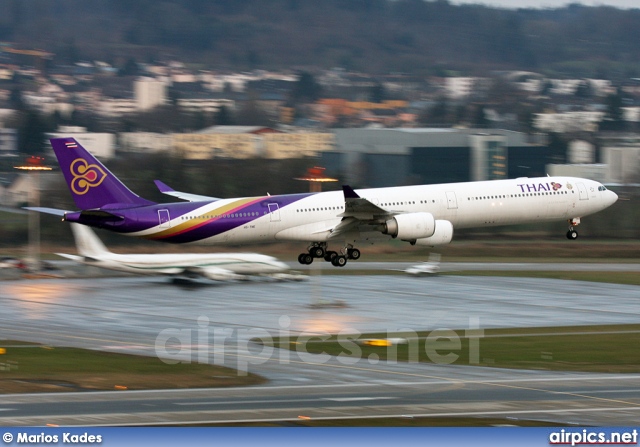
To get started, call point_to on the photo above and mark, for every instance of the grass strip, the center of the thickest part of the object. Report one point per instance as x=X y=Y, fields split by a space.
x=603 y=349
x=30 y=369
x=627 y=278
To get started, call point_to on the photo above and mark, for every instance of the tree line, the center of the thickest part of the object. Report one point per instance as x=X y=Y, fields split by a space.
x=375 y=36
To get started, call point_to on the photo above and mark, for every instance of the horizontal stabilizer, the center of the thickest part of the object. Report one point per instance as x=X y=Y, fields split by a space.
x=165 y=189
x=72 y=257
x=101 y=215
x=54 y=211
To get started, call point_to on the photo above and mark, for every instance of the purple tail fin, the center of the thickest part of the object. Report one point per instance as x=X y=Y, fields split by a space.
x=90 y=182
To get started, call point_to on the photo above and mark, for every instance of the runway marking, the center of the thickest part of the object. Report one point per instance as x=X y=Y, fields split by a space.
x=456 y=381
x=231 y=402
x=486 y=413
x=612 y=391
x=404 y=415
x=355 y=399
x=546 y=334
x=425 y=415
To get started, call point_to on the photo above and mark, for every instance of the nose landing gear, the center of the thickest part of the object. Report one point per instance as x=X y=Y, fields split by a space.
x=572 y=234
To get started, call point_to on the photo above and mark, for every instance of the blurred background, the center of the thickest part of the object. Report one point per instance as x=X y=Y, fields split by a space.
x=242 y=97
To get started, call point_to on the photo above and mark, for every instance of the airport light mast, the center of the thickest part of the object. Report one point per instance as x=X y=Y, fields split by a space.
x=34 y=165
x=315 y=176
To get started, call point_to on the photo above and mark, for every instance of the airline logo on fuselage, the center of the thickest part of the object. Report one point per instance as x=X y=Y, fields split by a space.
x=85 y=176
x=540 y=187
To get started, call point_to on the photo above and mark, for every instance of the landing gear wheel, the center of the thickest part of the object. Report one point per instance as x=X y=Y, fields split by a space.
x=572 y=234
x=316 y=252
x=339 y=261
x=305 y=258
x=353 y=253
x=330 y=255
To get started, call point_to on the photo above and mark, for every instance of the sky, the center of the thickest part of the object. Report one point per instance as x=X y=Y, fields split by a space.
x=625 y=4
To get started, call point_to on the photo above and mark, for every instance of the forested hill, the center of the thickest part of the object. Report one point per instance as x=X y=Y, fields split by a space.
x=376 y=36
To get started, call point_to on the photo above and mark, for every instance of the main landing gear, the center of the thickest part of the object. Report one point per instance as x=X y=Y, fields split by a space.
x=573 y=234
x=319 y=250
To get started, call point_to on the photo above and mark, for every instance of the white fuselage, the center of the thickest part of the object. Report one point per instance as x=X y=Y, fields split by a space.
x=176 y=264
x=465 y=205
x=212 y=265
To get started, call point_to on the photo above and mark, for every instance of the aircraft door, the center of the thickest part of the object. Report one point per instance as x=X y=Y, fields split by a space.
x=584 y=195
x=164 y=219
x=274 y=212
x=452 y=201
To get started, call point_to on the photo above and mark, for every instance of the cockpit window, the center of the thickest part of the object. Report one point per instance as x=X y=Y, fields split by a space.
x=601 y=188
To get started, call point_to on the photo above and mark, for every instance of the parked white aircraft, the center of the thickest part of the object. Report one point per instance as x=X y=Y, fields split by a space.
x=216 y=266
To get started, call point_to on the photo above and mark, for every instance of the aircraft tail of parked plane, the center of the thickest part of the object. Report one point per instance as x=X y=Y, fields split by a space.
x=216 y=266
x=88 y=243
x=424 y=215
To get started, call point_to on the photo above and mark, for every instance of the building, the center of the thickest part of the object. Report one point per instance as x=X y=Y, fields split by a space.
x=205 y=105
x=205 y=146
x=297 y=145
x=18 y=189
x=391 y=157
x=463 y=87
x=621 y=154
x=8 y=141
x=111 y=107
x=149 y=93
x=145 y=142
x=597 y=172
x=101 y=145
x=250 y=142
x=583 y=121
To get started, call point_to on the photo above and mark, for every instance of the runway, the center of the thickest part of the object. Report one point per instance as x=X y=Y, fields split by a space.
x=592 y=400
x=138 y=315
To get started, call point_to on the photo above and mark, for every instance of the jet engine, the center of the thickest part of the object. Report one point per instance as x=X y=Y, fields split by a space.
x=410 y=226
x=442 y=235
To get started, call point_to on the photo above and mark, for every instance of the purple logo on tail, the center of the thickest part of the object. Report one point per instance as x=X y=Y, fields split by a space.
x=85 y=176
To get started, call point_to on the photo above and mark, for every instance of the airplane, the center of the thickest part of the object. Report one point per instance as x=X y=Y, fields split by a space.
x=428 y=268
x=216 y=266
x=424 y=215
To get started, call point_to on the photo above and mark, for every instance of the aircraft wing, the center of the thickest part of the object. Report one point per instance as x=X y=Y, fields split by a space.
x=165 y=189
x=215 y=273
x=360 y=208
x=358 y=211
x=345 y=225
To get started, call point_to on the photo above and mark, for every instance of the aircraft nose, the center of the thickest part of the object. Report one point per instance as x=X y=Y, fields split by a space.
x=612 y=198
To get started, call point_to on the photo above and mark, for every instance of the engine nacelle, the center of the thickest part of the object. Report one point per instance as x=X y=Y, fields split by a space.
x=220 y=274
x=442 y=235
x=410 y=226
